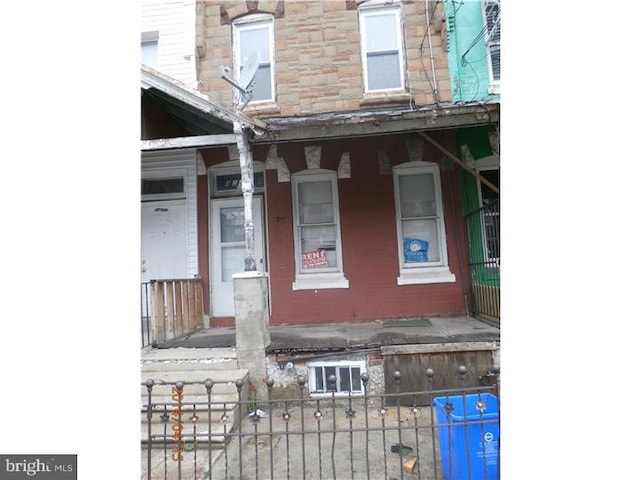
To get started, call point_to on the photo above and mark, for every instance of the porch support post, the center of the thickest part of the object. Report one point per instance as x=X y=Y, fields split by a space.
x=246 y=174
x=252 y=326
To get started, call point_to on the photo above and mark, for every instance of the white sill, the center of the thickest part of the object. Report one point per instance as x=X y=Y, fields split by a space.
x=416 y=276
x=320 y=281
x=494 y=89
x=337 y=394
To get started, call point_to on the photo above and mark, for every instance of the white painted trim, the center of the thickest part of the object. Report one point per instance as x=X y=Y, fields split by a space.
x=173 y=164
x=325 y=278
x=361 y=364
x=427 y=272
x=255 y=22
x=372 y=9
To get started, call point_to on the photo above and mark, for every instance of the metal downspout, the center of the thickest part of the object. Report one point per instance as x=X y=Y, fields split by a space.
x=463 y=273
x=436 y=94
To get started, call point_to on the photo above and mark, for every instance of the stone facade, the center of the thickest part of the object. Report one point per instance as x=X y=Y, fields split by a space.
x=318 y=63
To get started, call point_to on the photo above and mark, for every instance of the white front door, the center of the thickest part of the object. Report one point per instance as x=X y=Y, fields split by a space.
x=228 y=249
x=164 y=240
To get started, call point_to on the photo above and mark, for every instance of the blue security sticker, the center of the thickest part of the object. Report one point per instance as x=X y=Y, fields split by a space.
x=415 y=250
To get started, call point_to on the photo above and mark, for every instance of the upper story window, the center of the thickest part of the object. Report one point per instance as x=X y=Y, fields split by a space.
x=382 y=48
x=149 y=49
x=492 y=22
x=316 y=222
x=422 y=241
x=254 y=35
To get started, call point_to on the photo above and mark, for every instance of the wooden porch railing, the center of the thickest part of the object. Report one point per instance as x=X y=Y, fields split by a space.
x=177 y=308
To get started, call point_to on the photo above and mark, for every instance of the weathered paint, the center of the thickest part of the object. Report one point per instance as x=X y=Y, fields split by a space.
x=470 y=79
x=413 y=369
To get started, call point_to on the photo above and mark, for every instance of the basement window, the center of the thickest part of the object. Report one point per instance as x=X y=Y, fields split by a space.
x=347 y=375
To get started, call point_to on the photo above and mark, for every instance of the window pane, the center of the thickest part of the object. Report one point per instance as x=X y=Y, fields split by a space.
x=383 y=71
x=318 y=247
x=414 y=234
x=315 y=202
x=417 y=195
x=381 y=32
x=355 y=379
x=164 y=185
x=345 y=380
x=328 y=371
x=319 y=379
x=254 y=40
x=262 y=86
x=232 y=261
x=232 y=224
x=149 y=53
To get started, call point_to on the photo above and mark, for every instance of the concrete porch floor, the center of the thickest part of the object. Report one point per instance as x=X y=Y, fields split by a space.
x=345 y=336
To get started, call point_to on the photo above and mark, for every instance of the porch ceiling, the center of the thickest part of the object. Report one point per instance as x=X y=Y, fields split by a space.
x=193 y=120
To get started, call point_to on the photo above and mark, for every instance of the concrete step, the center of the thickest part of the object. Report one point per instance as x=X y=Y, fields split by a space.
x=210 y=355
x=218 y=402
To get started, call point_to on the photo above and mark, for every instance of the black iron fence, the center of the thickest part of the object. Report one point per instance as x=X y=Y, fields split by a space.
x=191 y=435
x=483 y=243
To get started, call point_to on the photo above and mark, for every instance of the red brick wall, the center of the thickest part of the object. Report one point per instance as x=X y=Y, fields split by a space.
x=369 y=244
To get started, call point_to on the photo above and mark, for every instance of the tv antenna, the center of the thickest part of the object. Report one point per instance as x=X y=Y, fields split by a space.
x=246 y=83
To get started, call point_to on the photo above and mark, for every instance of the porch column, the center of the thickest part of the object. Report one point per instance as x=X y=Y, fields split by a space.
x=252 y=326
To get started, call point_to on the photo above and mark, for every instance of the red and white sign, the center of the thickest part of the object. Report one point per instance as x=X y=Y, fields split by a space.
x=314 y=259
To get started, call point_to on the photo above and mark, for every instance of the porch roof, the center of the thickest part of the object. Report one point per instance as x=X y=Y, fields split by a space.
x=194 y=109
x=360 y=123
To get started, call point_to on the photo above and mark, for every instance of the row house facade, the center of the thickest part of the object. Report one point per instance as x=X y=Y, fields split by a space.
x=368 y=140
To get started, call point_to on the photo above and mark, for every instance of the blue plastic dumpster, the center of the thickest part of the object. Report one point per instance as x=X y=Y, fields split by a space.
x=469 y=433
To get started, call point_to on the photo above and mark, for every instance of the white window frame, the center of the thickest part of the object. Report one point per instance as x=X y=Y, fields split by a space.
x=382 y=9
x=483 y=164
x=150 y=39
x=422 y=272
x=255 y=22
x=313 y=388
x=232 y=168
x=320 y=278
x=494 y=85
x=165 y=175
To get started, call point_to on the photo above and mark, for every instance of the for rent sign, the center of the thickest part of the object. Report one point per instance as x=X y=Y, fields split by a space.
x=314 y=259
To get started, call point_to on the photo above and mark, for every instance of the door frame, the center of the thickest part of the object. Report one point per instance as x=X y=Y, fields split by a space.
x=213 y=259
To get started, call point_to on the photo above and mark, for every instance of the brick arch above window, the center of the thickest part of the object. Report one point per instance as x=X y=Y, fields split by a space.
x=232 y=11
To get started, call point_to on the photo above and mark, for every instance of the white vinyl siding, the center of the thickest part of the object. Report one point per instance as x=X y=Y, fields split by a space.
x=254 y=34
x=180 y=164
x=318 y=249
x=175 y=23
x=382 y=48
x=422 y=244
